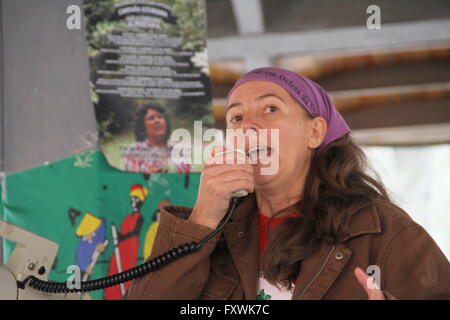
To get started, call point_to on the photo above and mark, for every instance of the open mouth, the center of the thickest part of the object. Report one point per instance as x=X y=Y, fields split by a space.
x=259 y=152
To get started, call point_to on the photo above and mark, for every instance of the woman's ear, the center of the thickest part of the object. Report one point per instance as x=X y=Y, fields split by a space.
x=317 y=131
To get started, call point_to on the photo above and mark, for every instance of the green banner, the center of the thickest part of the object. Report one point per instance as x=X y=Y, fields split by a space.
x=77 y=201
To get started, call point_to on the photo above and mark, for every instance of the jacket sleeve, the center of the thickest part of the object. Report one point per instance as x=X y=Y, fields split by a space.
x=413 y=267
x=182 y=279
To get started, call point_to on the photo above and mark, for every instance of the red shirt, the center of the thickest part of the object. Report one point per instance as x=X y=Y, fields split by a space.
x=266 y=290
x=263 y=230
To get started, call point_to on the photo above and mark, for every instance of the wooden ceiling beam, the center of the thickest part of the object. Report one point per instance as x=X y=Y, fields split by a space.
x=404 y=136
x=320 y=65
x=350 y=100
x=316 y=66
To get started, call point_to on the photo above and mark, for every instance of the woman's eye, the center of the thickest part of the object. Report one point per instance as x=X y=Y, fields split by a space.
x=270 y=109
x=235 y=119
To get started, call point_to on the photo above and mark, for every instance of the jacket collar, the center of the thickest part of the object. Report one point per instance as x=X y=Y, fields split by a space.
x=319 y=271
x=364 y=222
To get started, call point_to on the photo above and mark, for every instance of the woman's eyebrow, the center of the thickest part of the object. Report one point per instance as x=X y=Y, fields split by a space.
x=268 y=95
x=233 y=105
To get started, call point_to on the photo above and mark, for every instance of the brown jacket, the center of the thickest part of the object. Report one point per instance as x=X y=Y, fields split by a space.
x=412 y=265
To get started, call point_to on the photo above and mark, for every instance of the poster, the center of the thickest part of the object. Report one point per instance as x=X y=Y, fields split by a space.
x=77 y=201
x=149 y=75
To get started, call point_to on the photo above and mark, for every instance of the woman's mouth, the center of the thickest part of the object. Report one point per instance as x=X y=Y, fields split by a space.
x=259 y=153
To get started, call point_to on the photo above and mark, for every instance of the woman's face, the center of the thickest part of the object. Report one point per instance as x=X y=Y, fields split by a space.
x=265 y=105
x=155 y=124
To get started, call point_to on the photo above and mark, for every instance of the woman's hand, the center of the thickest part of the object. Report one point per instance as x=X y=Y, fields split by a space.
x=218 y=182
x=369 y=284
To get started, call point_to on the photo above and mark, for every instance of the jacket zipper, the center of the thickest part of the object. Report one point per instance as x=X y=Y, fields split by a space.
x=317 y=274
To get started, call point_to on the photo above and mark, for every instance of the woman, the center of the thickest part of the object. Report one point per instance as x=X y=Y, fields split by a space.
x=310 y=231
x=151 y=151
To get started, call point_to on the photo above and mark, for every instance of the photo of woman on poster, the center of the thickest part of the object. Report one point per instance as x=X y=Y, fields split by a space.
x=152 y=150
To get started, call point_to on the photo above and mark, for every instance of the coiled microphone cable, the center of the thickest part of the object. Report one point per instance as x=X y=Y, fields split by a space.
x=130 y=274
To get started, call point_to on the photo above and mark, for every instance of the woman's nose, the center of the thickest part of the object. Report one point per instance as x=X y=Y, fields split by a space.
x=248 y=125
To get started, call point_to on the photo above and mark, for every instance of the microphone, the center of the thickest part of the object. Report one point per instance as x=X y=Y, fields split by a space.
x=240 y=193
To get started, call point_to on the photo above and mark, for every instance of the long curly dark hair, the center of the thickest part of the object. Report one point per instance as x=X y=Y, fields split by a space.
x=337 y=188
x=139 y=127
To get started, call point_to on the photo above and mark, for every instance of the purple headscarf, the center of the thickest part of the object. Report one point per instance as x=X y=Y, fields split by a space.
x=306 y=92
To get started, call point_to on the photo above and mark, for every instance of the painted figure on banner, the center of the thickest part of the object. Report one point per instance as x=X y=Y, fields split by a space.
x=92 y=243
x=126 y=242
x=151 y=232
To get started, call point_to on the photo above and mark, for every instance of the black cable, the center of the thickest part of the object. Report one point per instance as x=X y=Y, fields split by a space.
x=130 y=274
